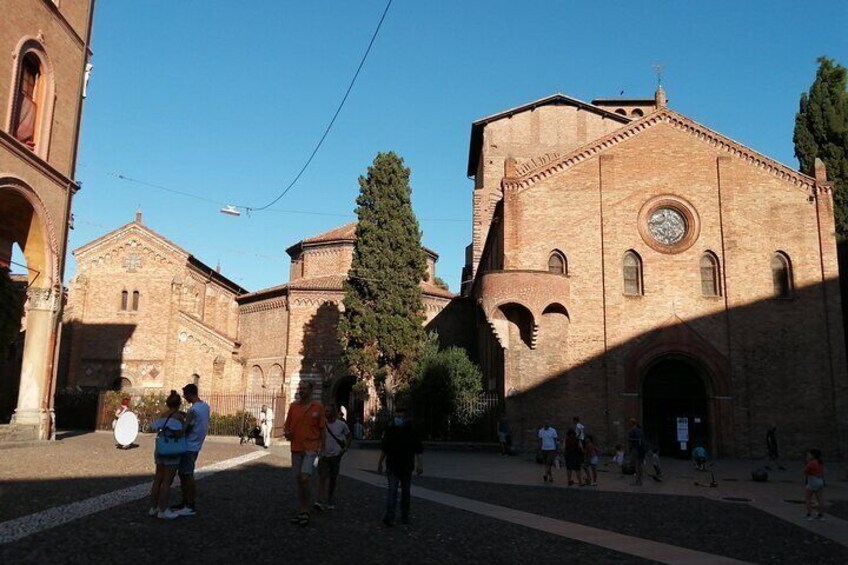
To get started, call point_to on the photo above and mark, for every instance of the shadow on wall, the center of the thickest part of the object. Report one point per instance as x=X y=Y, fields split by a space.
x=730 y=375
x=320 y=349
x=91 y=360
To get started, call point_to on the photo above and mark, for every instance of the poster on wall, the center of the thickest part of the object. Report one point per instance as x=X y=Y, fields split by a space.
x=683 y=430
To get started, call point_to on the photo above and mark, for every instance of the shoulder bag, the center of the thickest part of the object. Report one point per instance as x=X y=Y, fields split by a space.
x=170 y=443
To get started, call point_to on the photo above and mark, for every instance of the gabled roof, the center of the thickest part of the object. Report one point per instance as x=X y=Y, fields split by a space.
x=662 y=116
x=137 y=226
x=554 y=100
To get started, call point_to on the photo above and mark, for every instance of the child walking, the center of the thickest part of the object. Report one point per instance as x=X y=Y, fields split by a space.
x=814 y=480
x=590 y=461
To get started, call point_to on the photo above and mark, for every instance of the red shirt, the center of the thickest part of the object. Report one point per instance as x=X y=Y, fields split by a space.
x=814 y=468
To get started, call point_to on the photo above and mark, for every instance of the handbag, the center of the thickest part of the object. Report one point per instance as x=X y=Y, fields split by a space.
x=169 y=443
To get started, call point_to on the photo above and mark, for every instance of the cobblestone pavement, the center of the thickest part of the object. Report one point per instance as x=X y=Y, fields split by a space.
x=244 y=513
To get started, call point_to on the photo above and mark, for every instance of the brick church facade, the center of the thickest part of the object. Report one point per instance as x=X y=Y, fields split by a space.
x=627 y=261
x=145 y=315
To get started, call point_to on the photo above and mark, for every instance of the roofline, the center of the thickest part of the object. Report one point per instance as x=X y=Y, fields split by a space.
x=646 y=101
x=555 y=99
x=189 y=258
x=303 y=244
x=213 y=274
x=270 y=292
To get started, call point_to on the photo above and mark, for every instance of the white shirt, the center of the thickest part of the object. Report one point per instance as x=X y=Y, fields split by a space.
x=581 y=431
x=331 y=446
x=199 y=425
x=548 y=437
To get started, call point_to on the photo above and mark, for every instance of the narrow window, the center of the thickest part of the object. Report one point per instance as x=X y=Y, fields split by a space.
x=781 y=275
x=710 y=275
x=557 y=263
x=124 y=299
x=632 y=267
x=637 y=113
x=26 y=107
x=136 y=297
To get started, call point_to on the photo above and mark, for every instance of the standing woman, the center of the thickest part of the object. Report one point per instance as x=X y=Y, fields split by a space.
x=573 y=457
x=814 y=479
x=170 y=423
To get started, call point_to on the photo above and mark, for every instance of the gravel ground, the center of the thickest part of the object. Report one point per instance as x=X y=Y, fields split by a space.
x=734 y=530
x=244 y=517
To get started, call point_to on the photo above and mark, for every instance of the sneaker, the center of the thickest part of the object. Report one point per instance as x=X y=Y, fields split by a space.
x=820 y=518
x=153 y=511
x=320 y=507
x=808 y=518
x=167 y=514
x=329 y=507
x=303 y=519
x=185 y=511
x=594 y=484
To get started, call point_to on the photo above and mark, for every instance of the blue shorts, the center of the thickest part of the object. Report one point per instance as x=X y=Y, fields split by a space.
x=187 y=461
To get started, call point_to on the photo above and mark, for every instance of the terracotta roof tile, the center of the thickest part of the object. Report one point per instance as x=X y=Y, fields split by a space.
x=346 y=232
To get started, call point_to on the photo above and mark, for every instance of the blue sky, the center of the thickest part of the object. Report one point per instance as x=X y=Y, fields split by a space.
x=227 y=100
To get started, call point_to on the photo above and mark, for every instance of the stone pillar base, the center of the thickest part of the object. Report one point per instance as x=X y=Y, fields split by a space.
x=38 y=419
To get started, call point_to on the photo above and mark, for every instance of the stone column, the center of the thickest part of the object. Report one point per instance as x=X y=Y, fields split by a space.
x=43 y=309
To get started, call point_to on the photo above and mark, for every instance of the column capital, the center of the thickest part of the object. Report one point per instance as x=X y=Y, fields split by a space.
x=45 y=299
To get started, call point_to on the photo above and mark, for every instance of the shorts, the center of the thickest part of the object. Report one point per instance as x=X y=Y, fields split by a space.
x=593 y=460
x=329 y=466
x=303 y=462
x=548 y=456
x=502 y=437
x=187 y=461
x=171 y=461
x=815 y=484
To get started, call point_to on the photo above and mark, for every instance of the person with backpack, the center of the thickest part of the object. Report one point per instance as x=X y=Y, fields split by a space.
x=304 y=428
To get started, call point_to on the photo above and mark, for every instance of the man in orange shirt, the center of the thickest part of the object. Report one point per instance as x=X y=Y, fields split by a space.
x=304 y=428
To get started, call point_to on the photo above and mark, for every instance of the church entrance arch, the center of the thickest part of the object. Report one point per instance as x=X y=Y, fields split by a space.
x=345 y=396
x=675 y=405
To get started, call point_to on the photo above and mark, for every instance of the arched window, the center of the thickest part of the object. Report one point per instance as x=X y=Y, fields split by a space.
x=781 y=275
x=125 y=296
x=557 y=263
x=632 y=271
x=136 y=296
x=29 y=99
x=710 y=275
x=621 y=112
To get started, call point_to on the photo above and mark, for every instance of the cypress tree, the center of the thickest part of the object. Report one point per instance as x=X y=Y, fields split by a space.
x=381 y=327
x=821 y=130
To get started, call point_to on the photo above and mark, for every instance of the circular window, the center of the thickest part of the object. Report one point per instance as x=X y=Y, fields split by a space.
x=668 y=224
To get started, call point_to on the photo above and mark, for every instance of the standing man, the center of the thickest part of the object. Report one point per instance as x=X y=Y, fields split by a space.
x=636 y=442
x=580 y=430
x=196 y=426
x=337 y=440
x=266 y=424
x=401 y=451
x=548 y=446
x=304 y=428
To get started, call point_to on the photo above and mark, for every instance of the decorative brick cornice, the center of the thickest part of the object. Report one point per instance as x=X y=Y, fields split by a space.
x=551 y=166
x=263 y=306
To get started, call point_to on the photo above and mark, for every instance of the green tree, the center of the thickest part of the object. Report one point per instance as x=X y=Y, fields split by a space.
x=11 y=310
x=821 y=130
x=445 y=384
x=381 y=329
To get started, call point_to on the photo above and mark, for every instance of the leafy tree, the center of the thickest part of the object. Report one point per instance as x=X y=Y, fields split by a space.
x=444 y=386
x=11 y=310
x=821 y=130
x=380 y=329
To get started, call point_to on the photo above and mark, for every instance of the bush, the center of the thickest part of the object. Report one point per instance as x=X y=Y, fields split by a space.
x=444 y=387
x=231 y=424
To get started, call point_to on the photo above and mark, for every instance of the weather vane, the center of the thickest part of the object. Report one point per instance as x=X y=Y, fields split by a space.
x=658 y=68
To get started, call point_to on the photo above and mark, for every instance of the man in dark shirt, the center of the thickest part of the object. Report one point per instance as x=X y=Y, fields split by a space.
x=401 y=451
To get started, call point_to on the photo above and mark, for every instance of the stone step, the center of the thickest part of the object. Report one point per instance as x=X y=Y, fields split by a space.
x=14 y=433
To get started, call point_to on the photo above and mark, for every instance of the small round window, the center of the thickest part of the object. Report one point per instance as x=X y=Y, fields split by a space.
x=667 y=225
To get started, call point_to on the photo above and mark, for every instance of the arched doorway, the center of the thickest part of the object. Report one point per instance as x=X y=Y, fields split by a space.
x=675 y=406
x=344 y=395
x=121 y=384
x=26 y=223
